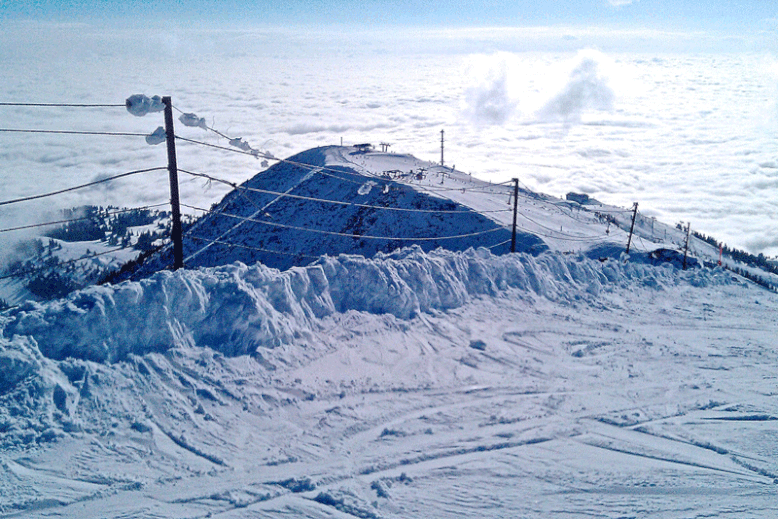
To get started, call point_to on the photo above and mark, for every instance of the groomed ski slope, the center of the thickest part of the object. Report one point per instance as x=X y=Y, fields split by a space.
x=441 y=384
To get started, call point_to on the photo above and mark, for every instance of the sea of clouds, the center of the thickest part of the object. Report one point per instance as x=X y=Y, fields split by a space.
x=690 y=136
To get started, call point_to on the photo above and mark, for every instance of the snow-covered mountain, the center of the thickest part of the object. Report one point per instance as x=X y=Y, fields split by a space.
x=354 y=200
x=336 y=200
x=443 y=384
x=92 y=244
x=558 y=382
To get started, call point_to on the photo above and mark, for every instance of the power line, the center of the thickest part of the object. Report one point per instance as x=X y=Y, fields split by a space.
x=74 y=188
x=486 y=188
x=214 y=130
x=319 y=169
x=66 y=105
x=224 y=148
x=498 y=244
x=270 y=157
x=359 y=236
x=60 y=222
x=560 y=235
x=612 y=211
x=73 y=132
x=430 y=188
x=600 y=208
x=41 y=269
x=336 y=202
x=260 y=249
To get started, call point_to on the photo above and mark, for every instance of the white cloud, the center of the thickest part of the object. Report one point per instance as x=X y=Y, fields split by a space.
x=619 y=3
x=587 y=88
x=697 y=123
x=490 y=98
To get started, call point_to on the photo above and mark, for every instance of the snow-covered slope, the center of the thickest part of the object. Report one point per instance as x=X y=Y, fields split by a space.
x=89 y=243
x=335 y=199
x=414 y=384
x=563 y=381
x=343 y=200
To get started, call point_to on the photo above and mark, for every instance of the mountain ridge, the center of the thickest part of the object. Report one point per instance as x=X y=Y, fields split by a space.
x=313 y=204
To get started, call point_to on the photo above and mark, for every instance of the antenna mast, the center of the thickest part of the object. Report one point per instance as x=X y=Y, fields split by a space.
x=441 y=146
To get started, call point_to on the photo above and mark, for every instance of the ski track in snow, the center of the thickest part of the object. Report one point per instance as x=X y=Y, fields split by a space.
x=409 y=385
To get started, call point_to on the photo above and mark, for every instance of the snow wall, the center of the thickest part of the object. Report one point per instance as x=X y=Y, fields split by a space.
x=236 y=309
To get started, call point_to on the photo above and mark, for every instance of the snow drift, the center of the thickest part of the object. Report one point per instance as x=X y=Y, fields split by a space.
x=236 y=309
x=383 y=387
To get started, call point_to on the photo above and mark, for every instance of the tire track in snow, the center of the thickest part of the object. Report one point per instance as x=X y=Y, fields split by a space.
x=446 y=455
x=668 y=457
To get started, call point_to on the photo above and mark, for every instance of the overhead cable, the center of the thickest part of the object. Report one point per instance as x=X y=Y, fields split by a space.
x=358 y=236
x=224 y=148
x=560 y=235
x=60 y=222
x=65 y=105
x=82 y=186
x=498 y=244
x=336 y=202
x=260 y=249
x=75 y=260
x=73 y=132
x=323 y=170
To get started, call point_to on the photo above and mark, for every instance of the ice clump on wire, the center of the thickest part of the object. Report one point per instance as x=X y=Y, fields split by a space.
x=240 y=144
x=236 y=309
x=140 y=105
x=193 y=120
x=157 y=137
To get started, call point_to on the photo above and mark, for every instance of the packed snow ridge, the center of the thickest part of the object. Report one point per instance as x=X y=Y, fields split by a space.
x=236 y=309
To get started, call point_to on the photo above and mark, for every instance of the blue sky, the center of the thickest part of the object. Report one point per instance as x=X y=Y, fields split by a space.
x=725 y=15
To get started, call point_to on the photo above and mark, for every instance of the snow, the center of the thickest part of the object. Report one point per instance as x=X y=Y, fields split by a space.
x=236 y=309
x=240 y=144
x=285 y=216
x=411 y=384
x=190 y=119
x=140 y=104
x=158 y=136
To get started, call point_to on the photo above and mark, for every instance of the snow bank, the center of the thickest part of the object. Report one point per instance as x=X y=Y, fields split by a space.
x=18 y=359
x=236 y=309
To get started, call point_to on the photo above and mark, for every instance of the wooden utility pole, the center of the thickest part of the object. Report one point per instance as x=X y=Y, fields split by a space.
x=515 y=209
x=441 y=146
x=172 y=167
x=632 y=227
x=686 y=247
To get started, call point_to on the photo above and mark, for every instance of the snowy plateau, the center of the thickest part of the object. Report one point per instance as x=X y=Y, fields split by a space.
x=394 y=378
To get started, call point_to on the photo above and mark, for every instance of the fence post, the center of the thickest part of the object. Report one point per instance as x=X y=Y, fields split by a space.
x=172 y=167
x=632 y=227
x=515 y=208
